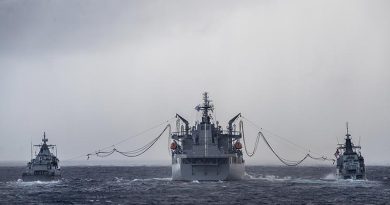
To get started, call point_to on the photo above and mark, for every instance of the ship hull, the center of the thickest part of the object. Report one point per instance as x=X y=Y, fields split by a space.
x=345 y=175
x=351 y=166
x=41 y=175
x=194 y=172
x=353 y=177
x=28 y=178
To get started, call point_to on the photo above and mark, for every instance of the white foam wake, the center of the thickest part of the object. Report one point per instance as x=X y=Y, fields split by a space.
x=32 y=183
x=153 y=179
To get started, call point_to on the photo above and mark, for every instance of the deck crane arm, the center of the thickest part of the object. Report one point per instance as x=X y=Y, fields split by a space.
x=231 y=122
x=185 y=122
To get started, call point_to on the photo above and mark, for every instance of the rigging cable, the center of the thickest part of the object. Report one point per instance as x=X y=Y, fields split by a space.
x=284 y=161
x=124 y=140
x=293 y=163
x=140 y=133
x=132 y=153
x=241 y=129
x=304 y=149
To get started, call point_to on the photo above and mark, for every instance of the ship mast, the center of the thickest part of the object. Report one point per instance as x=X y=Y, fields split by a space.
x=348 y=143
x=205 y=107
x=44 y=140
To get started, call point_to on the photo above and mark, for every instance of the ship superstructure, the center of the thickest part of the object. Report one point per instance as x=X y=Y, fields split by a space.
x=205 y=151
x=45 y=165
x=350 y=162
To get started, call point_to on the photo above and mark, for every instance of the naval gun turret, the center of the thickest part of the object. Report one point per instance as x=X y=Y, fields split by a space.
x=350 y=162
x=205 y=151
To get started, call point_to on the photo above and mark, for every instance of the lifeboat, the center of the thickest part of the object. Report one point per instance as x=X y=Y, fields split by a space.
x=238 y=145
x=173 y=145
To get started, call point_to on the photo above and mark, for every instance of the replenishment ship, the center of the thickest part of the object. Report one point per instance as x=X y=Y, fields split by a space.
x=350 y=162
x=45 y=165
x=205 y=151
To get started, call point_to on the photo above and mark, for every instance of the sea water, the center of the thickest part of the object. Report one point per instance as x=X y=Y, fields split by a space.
x=153 y=185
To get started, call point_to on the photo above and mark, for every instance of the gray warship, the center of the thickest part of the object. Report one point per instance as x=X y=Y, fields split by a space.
x=206 y=152
x=350 y=162
x=45 y=165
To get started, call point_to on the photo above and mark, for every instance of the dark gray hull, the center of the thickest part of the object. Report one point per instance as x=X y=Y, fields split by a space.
x=28 y=178
x=354 y=177
x=355 y=174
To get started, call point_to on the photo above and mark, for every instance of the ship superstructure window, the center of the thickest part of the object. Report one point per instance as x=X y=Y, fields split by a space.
x=41 y=172
x=202 y=161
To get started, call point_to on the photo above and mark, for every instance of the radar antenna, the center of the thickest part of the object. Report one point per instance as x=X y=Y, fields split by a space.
x=205 y=107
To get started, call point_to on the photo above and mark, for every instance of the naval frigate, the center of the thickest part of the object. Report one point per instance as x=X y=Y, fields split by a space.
x=206 y=151
x=45 y=165
x=350 y=162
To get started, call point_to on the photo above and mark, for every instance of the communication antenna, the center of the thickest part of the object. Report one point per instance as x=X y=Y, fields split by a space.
x=348 y=135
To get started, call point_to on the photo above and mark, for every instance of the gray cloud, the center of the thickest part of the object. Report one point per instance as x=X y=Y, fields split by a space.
x=91 y=73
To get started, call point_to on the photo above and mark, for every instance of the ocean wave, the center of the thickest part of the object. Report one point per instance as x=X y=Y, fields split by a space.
x=330 y=176
x=308 y=185
x=32 y=183
x=152 y=179
x=267 y=177
x=328 y=180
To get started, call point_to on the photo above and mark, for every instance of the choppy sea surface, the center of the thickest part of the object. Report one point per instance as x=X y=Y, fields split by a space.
x=153 y=185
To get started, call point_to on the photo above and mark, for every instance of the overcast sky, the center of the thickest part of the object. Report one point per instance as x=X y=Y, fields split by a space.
x=91 y=73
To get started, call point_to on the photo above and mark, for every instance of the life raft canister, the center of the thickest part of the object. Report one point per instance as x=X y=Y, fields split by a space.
x=238 y=145
x=173 y=145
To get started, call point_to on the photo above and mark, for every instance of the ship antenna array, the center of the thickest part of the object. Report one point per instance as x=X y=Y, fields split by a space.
x=281 y=159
